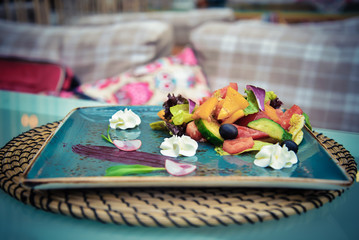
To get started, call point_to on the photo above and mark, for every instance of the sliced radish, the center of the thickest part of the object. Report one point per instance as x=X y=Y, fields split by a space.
x=179 y=169
x=128 y=145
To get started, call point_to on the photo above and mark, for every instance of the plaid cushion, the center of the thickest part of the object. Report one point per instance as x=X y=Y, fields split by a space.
x=92 y=52
x=314 y=68
x=182 y=21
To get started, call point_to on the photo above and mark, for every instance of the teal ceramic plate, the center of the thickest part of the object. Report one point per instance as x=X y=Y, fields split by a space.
x=76 y=156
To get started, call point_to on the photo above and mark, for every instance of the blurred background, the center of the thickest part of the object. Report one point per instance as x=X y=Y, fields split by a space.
x=133 y=52
x=57 y=12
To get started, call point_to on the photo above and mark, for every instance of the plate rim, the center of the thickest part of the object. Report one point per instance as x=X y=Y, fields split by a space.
x=186 y=181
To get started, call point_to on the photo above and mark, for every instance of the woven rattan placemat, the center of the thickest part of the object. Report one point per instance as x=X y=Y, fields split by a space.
x=164 y=207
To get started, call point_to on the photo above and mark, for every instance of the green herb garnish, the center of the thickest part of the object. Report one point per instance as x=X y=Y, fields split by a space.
x=122 y=170
x=108 y=138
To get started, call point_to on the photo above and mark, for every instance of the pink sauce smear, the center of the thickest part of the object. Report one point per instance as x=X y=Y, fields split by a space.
x=115 y=155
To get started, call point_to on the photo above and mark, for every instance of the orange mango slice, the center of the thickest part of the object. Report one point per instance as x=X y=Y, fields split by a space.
x=218 y=107
x=232 y=103
x=205 y=110
x=234 y=117
x=271 y=112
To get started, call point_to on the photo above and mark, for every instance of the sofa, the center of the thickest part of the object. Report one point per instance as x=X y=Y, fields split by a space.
x=92 y=52
x=315 y=66
x=182 y=22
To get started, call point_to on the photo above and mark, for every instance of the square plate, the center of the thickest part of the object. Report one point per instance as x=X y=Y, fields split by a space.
x=57 y=165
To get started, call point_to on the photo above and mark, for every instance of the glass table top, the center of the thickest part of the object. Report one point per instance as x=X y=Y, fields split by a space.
x=21 y=112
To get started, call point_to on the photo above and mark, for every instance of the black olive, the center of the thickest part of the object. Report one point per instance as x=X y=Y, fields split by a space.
x=228 y=131
x=290 y=145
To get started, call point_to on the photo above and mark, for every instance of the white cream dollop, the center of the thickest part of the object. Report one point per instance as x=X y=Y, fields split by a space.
x=276 y=157
x=124 y=119
x=175 y=146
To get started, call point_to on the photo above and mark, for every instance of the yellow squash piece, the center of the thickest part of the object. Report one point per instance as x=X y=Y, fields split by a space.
x=232 y=103
x=205 y=110
x=161 y=114
x=296 y=122
x=298 y=137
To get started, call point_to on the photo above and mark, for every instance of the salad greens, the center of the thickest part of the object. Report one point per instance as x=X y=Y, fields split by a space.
x=178 y=129
x=172 y=100
x=255 y=96
x=307 y=122
x=259 y=94
x=253 y=106
x=181 y=114
x=256 y=147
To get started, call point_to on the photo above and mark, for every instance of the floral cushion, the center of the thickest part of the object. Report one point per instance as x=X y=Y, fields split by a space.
x=150 y=84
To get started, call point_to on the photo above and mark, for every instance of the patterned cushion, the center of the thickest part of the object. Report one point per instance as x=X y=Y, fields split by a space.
x=314 y=67
x=93 y=52
x=182 y=21
x=150 y=84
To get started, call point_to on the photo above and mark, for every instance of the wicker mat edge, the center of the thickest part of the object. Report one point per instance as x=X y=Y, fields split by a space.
x=162 y=207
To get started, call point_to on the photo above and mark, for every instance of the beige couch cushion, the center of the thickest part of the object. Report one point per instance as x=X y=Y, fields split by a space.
x=314 y=67
x=183 y=22
x=93 y=52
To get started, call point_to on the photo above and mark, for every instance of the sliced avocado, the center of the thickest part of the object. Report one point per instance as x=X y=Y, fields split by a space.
x=210 y=131
x=273 y=129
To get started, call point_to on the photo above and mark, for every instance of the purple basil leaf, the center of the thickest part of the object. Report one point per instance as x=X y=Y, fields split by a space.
x=259 y=93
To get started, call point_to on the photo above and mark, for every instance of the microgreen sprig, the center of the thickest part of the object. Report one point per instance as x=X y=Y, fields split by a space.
x=108 y=138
